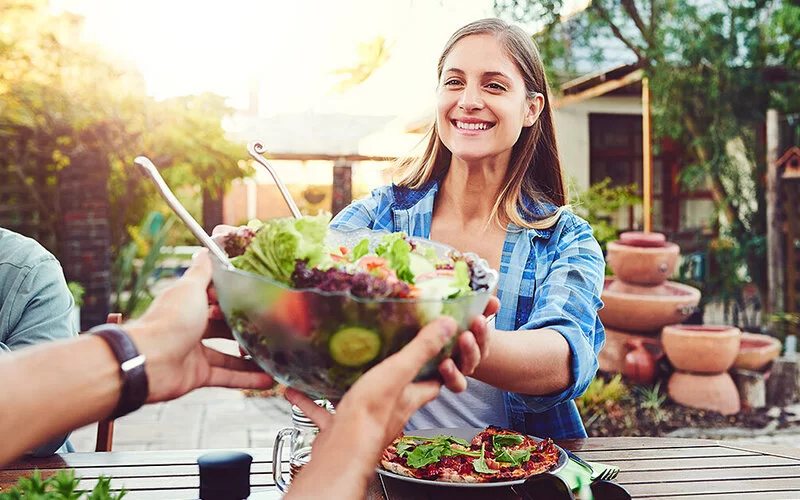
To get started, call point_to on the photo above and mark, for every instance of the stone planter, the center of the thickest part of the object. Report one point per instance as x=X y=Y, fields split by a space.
x=701 y=349
x=643 y=309
x=706 y=392
x=642 y=265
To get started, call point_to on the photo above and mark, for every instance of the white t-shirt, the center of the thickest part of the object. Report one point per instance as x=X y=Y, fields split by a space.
x=480 y=405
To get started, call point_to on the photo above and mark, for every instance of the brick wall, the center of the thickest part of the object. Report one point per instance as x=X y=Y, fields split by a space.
x=85 y=242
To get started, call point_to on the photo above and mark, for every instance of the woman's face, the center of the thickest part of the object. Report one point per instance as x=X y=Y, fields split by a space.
x=482 y=102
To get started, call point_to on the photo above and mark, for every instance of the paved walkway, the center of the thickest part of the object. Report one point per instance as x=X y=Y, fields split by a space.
x=206 y=418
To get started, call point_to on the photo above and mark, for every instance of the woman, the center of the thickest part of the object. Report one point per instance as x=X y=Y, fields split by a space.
x=490 y=182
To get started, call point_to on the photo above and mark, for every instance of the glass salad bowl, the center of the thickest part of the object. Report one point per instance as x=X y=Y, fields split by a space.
x=321 y=342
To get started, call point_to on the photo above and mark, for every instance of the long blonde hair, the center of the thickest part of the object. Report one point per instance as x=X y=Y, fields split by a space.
x=534 y=173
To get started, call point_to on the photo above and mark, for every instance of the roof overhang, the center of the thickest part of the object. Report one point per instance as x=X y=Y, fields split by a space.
x=624 y=80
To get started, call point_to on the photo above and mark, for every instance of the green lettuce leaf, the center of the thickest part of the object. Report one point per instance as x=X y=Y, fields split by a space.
x=397 y=252
x=460 y=279
x=281 y=242
x=361 y=249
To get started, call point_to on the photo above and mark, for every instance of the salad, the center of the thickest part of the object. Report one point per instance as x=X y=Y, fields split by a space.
x=344 y=307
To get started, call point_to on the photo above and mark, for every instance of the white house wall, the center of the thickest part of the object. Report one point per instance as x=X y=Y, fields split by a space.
x=572 y=131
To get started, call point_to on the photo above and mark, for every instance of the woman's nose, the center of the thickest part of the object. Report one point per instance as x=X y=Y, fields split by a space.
x=470 y=99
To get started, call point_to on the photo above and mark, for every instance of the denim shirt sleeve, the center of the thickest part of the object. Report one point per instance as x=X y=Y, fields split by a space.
x=567 y=301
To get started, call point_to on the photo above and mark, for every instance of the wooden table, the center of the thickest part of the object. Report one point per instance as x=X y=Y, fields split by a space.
x=652 y=468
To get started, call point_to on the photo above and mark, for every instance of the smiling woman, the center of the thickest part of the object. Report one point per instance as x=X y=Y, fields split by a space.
x=490 y=182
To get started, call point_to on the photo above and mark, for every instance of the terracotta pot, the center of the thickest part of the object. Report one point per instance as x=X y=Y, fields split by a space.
x=640 y=361
x=701 y=348
x=618 y=343
x=756 y=351
x=646 y=309
x=642 y=239
x=706 y=392
x=642 y=265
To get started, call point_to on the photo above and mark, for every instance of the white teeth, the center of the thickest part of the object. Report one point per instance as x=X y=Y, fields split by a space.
x=472 y=126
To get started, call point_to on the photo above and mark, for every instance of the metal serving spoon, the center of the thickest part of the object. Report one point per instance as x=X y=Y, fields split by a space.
x=148 y=168
x=255 y=148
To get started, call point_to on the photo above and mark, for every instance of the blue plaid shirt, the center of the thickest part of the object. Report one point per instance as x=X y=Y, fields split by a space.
x=549 y=278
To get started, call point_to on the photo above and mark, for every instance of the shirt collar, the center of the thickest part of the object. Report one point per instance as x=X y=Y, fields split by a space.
x=406 y=198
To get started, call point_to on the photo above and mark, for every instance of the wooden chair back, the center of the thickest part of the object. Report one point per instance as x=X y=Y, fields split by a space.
x=105 y=428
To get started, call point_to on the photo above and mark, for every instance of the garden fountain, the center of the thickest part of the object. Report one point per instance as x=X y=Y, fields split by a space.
x=641 y=305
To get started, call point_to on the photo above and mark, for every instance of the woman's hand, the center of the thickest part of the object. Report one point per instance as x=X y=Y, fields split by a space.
x=169 y=334
x=472 y=347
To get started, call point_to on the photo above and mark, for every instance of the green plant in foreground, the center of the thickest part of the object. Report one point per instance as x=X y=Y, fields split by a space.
x=600 y=396
x=61 y=486
x=650 y=398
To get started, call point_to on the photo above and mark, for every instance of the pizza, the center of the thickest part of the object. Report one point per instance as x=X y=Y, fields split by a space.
x=494 y=455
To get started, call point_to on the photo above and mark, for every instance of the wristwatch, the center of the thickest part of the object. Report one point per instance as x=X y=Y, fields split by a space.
x=135 y=387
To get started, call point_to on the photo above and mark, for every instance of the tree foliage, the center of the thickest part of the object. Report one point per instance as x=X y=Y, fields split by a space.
x=714 y=68
x=371 y=56
x=61 y=98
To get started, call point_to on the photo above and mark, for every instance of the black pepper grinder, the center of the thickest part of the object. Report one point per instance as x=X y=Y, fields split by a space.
x=224 y=475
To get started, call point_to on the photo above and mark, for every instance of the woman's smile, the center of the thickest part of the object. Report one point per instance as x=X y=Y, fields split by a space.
x=471 y=126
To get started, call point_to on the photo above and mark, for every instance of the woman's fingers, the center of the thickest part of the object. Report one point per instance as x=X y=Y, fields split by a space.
x=492 y=307
x=481 y=333
x=319 y=415
x=452 y=378
x=469 y=353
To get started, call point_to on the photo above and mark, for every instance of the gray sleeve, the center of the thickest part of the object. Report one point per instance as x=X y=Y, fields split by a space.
x=43 y=306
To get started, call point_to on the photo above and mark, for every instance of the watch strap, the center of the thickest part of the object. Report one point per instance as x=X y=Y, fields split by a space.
x=135 y=388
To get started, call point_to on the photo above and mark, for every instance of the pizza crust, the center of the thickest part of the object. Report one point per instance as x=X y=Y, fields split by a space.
x=397 y=468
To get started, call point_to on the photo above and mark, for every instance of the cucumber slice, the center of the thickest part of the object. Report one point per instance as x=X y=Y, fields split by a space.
x=419 y=265
x=354 y=346
x=439 y=287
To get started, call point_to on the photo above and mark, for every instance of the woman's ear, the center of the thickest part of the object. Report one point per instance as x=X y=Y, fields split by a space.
x=535 y=107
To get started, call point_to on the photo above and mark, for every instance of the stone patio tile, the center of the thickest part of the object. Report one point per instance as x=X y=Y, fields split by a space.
x=264 y=437
x=147 y=413
x=186 y=433
x=231 y=438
